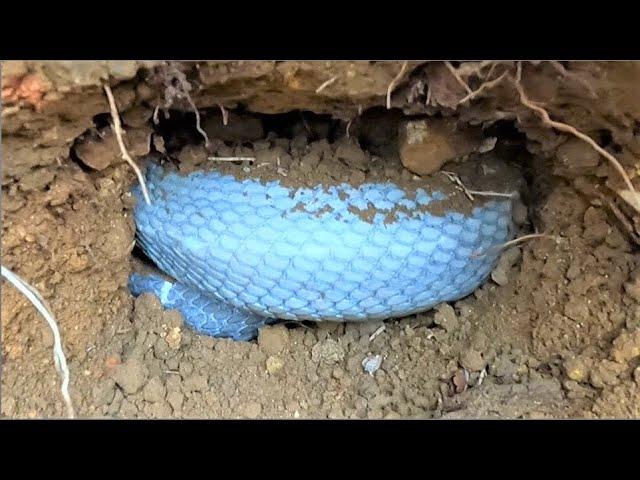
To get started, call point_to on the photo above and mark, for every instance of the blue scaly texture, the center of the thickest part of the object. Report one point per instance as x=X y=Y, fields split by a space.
x=265 y=251
x=204 y=313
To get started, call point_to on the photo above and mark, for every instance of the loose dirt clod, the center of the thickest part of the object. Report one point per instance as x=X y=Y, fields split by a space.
x=273 y=339
x=131 y=375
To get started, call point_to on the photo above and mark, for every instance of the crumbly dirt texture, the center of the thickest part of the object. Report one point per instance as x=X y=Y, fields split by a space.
x=554 y=333
x=299 y=163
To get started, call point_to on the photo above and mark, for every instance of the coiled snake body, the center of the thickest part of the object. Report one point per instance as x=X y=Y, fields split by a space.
x=244 y=253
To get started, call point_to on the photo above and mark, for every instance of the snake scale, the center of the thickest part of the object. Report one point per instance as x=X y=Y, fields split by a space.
x=244 y=253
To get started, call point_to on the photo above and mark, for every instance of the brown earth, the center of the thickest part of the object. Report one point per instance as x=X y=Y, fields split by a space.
x=554 y=333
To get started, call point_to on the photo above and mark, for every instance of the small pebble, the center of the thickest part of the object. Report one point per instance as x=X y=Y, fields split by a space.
x=274 y=365
x=576 y=369
x=173 y=338
x=372 y=363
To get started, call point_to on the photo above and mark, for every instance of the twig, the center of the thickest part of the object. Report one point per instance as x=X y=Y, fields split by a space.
x=378 y=331
x=117 y=127
x=327 y=83
x=481 y=193
x=59 y=358
x=457 y=76
x=456 y=179
x=231 y=159
x=515 y=241
x=394 y=82
x=563 y=127
x=489 y=193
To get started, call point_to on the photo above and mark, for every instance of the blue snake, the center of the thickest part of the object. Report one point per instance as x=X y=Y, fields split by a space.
x=246 y=253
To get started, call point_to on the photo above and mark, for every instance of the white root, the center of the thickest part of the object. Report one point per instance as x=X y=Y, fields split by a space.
x=394 y=82
x=232 y=159
x=326 y=84
x=117 y=128
x=515 y=241
x=59 y=358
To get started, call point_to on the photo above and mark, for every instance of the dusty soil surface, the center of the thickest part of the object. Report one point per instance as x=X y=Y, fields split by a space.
x=553 y=334
x=299 y=163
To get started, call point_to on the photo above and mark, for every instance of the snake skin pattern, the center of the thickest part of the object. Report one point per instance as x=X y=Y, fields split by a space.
x=242 y=251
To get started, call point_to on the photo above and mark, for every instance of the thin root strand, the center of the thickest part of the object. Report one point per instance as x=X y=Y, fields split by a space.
x=394 y=82
x=117 y=128
x=59 y=358
x=563 y=127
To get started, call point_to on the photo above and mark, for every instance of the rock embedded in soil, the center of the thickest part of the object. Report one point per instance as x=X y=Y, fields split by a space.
x=102 y=151
x=137 y=116
x=426 y=145
x=174 y=338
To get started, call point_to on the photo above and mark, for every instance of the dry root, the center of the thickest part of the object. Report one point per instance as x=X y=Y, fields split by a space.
x=394 y=82
x=177 y=87
x=59 y=358
x=326 y=84
x=515 y=241
x=465 y=71
x=117 y=128
x=563 y=127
